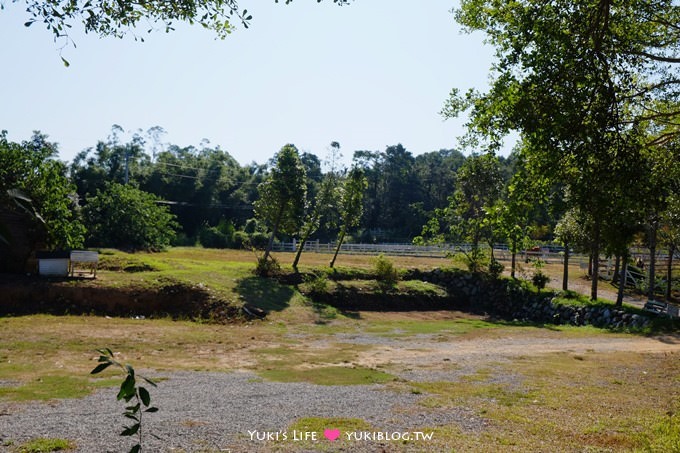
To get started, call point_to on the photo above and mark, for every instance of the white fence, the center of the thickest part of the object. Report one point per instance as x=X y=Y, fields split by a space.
x=432 y=251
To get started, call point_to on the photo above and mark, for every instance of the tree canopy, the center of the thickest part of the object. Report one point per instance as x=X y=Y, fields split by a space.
x=31 y=169
x=282 y=195
x=125 y=217
x=109 y=18
x=589 y=85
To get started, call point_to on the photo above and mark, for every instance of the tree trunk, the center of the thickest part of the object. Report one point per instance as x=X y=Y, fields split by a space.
x=513 y=261
x=341 y=238
x=669 y=272
x=652 y=260
x=565 y=272
x=270 y=244
x=596 y=263
x=617 y=267
x=622 y=281
x=303 y=241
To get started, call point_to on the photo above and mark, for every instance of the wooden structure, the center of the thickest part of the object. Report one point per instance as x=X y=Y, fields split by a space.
x=83 y=263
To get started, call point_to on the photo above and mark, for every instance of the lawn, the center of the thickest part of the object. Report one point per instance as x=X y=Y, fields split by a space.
x=532 y=388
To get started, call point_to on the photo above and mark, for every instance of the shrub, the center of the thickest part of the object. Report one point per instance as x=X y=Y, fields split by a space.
x=385 y=272
x=267 y=267
x=259 y=240
x=213 y=238
x=318 y=284
x=540 y=279
x=241 y=240
x=182 y=240
x=495 y=268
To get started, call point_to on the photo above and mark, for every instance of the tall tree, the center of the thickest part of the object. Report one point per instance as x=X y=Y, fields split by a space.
x=573 y=78
x=670 y=237
x=351 y=205
x=32 y=178
x=320 y=204
x=479 y=186
x=282 y=196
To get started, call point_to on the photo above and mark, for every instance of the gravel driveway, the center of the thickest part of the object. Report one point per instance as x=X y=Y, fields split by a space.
x=202 y=411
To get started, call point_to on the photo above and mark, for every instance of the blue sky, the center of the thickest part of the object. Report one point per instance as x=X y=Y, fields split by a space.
x=369 y=75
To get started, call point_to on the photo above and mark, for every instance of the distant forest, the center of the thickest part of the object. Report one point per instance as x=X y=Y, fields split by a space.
x=205 y=187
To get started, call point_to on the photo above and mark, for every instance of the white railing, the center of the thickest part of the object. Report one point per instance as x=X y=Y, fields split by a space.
x=501 y=251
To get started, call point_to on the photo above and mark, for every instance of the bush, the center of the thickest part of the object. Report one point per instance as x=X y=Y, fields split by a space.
x=213 y=238
x=267 y=267
x=241 y=240
x=318 y=284
x=385 y=272
x=259 y=240
x=495 y=268
x=182 y=240
x=540 y=279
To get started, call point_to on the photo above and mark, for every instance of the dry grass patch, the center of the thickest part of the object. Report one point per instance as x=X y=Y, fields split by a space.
x=569 y=402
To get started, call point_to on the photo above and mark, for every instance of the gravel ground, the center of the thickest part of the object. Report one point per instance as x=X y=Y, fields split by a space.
x=211 y=411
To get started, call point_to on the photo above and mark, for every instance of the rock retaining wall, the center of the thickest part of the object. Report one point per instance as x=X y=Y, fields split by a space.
x=515 y=300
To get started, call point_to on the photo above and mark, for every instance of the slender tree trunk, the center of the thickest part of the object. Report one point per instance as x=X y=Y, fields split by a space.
x=590 y=264
x=341 y=238
x=270 y=244
x=303 y=241
x=617 y=267
x=596 y=262
x=652 y=260
x=669 y=272
x=565 y=272
x=623 y=279
x=513 y=259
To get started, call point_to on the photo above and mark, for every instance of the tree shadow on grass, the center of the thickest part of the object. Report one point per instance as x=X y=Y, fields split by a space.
x=264 y=293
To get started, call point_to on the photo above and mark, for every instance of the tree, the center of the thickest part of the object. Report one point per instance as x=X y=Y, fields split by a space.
x=574 y=78
x=479 y=186
x=351 y=204
x=320 y=203
x=571 y=232
x=670 y=236
x=317 y=209
x=282 y=196
x=125 y=217
x=119 y=18
x=34 y=184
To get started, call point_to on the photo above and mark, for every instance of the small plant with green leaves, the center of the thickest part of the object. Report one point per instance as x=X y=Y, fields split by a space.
x=495 y=268
x=267 y=266
x=385 y=272
x=317 y=284
x=138 y=396
x=539 y=279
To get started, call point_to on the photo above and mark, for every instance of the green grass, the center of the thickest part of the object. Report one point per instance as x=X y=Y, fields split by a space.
x=50 y=387
x=663 y=435
x=403 y=328
x=45 y=445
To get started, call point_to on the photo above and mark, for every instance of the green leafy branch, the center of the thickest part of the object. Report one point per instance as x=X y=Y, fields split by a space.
x=130 y=391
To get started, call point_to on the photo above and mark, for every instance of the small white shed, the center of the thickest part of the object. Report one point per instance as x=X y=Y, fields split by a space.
x=53 y=264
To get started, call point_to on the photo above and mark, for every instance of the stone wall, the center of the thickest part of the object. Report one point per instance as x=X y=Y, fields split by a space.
x=514 y=300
